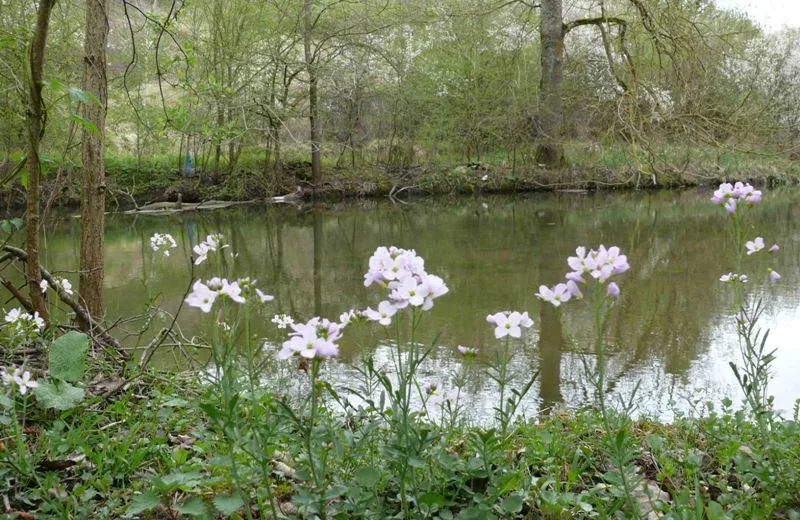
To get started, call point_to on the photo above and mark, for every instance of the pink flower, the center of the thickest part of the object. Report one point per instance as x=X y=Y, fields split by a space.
x=557 y=295
x=508 y=323
x=774 y=277
x=467 y=351
x=613 y=290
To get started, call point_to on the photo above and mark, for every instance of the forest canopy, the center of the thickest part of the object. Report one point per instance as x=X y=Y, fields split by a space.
x=241 y=85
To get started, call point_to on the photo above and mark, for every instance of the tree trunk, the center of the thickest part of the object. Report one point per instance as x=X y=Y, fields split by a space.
x=313 y=103
x=550 y=150
x=93 y=186
x=36 y=119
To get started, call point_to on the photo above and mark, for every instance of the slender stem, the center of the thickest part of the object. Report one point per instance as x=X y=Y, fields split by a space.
x=599 y=325
x=315 y=363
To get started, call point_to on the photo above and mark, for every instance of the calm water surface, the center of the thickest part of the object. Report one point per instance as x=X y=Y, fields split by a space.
x=673 y=328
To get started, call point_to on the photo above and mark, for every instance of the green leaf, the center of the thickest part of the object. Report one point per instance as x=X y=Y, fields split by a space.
x=193 y=507
x=368 y=477
x=512 y=504
x=228 y=504
x=68 y=356
x=431 y=499
x=5 y=401
x=87 y=98
x=144 y=502
x=23 y=178
x=88 y=125
x=61 y=397
x=714 y=511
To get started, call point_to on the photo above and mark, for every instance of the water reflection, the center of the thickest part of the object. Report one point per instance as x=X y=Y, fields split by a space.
x=671 y=328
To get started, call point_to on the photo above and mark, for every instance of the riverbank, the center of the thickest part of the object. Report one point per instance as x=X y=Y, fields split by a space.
x=152 y=452
x=132 y=183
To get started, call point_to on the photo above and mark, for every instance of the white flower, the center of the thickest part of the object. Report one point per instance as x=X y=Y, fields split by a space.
x=315 y=338
x=232 y=291
x=409 y=292
x=402 y=272
x=282 y=320
x=13 y=315
x=509 y=323
x=754 y=246
x=201 y=250
x=601 y=264
x=383 y=315
x=557 y=295
x=733 y=277
x=201 y=297
x=65 y=286
x=467 y=351
x=19 y=377
x=162 y=243
x=43 y=285
x=24 y=381
x=264 y=298
x=212 y=243
x=346 y=318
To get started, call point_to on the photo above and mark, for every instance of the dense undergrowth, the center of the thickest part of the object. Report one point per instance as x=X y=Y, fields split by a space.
x=152 y=450
x=261 y=432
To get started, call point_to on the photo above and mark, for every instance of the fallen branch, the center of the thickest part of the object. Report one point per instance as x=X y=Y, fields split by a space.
x=96 y=330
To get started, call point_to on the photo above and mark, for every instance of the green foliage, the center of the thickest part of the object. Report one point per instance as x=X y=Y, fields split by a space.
x=58 y=395
x=68 y=356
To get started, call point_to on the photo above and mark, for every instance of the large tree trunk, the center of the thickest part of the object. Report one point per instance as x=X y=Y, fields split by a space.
x=550 y=150
x=93 y=186
x=313 y=103
x=36 y=120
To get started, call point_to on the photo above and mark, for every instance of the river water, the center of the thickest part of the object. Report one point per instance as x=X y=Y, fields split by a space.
x=672 y=331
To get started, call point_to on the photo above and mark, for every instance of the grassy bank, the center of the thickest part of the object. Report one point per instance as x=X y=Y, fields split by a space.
x=151 y=452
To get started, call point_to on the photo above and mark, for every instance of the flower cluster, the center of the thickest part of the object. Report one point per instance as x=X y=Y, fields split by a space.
x=62 y=284
x=19 y=378
x=733 y=277
x=316 y=338
x=730 y=196
x=162 y=243
x=211 y=244
x=509 y=323
x=600 y=264
x=403 y=274
x=467 y=351
x=346 y=318
x=282 y=320
x=22 y=328
x=204 y=294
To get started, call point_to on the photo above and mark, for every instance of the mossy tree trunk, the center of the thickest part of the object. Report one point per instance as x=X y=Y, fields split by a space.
x=36 y=122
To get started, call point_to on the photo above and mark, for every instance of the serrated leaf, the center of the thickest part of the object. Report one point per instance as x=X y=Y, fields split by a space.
x=61 y=397
x=368 y=477
x=144 y=502
x=68 y=356
x=228 y=504
x=193 y=507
